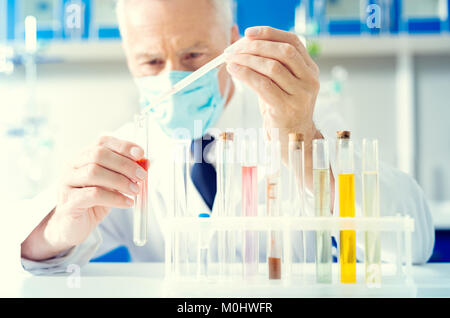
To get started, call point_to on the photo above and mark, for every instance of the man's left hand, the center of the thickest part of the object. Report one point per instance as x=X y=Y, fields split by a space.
x=278 y=67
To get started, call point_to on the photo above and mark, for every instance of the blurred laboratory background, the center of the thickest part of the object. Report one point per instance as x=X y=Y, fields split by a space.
x=385 y=65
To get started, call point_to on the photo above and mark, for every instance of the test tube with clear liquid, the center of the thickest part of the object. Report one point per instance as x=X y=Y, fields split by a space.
x=296 y=253
x=322 y=207
x=203 y=241
x=346 y=181
x=250 y=249
x=371 y=208
x=140 y=213
x=273 y=206
x=225 y=152
x=180 y=238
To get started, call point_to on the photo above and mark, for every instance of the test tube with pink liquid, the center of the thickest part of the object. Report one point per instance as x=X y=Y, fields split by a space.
x=250 y=248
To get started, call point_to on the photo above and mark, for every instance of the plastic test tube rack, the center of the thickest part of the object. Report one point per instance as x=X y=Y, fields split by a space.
x=183 y=230
x=396 y=276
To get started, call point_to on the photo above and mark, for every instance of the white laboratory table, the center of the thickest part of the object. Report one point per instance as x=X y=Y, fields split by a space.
x=146 y=280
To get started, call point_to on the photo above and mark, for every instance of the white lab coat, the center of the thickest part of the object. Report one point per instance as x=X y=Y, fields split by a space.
x=399 y=194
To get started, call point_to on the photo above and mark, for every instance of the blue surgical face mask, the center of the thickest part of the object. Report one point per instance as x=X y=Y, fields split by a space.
x=189 y=113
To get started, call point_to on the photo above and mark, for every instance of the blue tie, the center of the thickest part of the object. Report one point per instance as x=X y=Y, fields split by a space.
x=203 y=174
x=334 y=244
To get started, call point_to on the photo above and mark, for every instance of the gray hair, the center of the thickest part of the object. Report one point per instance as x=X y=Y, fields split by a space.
x=225 y=10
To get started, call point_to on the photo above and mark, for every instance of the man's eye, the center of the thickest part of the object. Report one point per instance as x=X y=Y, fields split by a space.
x=155 y=62
x=193 y=55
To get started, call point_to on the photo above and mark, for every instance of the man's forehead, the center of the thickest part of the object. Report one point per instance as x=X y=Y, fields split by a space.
x=151 y=31
x=177 y=18
x=158 y=39
x=140 y=12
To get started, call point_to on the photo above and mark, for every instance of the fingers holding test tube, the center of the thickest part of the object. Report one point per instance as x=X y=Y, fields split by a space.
x=94 y=196
x=113 y=161
x=110 y=165
x=94 y=175
x=122 y=147
x=103 y=177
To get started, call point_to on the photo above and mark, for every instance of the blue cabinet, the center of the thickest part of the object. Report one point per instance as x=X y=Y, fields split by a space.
x=96 y=19
x=353 y=17
x=431 y=16
x=59 y=19
x=278 y=14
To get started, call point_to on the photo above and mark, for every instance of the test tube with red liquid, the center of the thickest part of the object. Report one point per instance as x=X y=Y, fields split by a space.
x=140 y=213
x=250 y=207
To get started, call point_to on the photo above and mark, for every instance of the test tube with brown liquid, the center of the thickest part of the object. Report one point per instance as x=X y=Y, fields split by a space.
x=273 y=208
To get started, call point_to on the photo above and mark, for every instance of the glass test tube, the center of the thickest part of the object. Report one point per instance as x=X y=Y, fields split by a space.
x=250 y=250
x=322 y=207
x=204 y=237
x=346 y=180
x=225 y=171
x=180 y=190
x=273 y=201
x=371 y=208
x=140 y=213
x=296 y=192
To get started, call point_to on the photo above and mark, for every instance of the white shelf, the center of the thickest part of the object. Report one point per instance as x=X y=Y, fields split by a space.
x=356 y=46
x=89 y=51
x=336 y=46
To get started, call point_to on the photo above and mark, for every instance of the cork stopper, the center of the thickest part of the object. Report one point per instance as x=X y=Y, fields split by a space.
x=343 y=134
x=296 y=137
x=227 y=136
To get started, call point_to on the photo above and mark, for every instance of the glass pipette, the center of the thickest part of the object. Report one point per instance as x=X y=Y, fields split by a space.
x=194 y=76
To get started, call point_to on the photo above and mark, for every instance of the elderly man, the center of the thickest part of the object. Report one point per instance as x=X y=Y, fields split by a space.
x=270 y=81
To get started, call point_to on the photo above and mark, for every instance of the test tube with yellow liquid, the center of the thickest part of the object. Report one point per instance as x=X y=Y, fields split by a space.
x=346 y=182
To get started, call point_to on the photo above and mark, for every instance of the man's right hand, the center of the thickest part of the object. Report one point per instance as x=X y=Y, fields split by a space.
x=97 y=181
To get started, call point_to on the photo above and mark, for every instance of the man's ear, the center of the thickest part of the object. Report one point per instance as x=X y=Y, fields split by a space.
x=235 y=33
